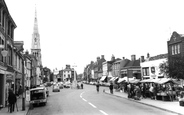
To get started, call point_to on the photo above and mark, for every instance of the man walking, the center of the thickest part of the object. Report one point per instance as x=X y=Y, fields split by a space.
x=111 y=88
x=97 y=86
x=11 y=100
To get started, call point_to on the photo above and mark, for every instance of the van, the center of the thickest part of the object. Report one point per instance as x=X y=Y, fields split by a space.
x=38 y=96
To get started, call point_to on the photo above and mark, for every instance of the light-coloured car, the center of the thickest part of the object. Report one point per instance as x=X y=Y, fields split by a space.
x=38 y=95
x=56 y=88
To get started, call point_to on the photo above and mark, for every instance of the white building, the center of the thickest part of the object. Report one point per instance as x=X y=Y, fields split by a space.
x=150 y=66
x=68 y=74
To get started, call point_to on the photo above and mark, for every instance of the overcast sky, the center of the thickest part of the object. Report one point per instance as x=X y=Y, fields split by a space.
x=77 y=31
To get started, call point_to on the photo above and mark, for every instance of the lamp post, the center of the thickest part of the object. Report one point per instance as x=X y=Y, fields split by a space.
x=23 y=87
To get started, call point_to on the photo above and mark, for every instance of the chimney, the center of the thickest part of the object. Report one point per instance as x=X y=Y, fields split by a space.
x=133 y=57
x=142 y=58
x=148 y=55
x=123 y=58
x=102 y=56
x=92 y=62
x=98 y=58
x=112 y=58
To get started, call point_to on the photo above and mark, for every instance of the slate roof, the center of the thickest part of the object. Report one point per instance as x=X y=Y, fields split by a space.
x=124 y=62
x=161 y=56
x=135 y=63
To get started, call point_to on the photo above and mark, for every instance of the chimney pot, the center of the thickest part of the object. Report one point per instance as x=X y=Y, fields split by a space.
x=148 y=55
x=133 y=57
x=142 y=58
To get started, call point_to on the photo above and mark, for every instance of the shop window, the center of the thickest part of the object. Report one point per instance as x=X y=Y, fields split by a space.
x=172 y=47
x=146 y=71
x=176 y=49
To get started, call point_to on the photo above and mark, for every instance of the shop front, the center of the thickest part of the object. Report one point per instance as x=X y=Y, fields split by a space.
x=2 y=87
x=10 y=84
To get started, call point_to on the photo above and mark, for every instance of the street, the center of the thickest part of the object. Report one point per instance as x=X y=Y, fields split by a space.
x=88 y=102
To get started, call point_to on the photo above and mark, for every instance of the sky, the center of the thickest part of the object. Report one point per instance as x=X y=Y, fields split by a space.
x=76 y=32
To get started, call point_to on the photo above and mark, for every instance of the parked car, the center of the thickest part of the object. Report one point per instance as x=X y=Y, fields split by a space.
x=56 y=88
x=38 y=96
x=46 y=89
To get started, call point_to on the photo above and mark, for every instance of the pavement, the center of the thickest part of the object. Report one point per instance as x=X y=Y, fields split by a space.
x=170 y=106
x=4 y=111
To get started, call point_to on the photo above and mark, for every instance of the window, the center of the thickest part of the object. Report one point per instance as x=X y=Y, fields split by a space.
x=3 y=21
x=146 y=71
x=172 y=50
x=1 y=43
x=0 y=15
x=178 y=48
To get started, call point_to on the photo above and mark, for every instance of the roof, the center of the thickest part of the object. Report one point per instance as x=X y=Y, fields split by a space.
x=124 y=62
x=133 y=63
x=161 y=56
x=38 y=88
x=4 y=3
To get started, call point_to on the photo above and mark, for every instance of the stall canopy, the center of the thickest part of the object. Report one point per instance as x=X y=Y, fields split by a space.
x=103 y=78
x=159 y=81
x=135 y=81
x=147 y=81
x=166 y=80
x=121 y=80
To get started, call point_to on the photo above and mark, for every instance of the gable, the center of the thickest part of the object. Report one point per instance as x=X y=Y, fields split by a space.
x=175 y=37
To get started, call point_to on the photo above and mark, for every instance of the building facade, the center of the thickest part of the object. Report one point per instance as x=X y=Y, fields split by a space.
x=7 y=77
x=150 y=66
x=132 y=69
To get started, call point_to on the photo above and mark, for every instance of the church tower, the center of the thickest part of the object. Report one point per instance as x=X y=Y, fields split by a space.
x=35 y=47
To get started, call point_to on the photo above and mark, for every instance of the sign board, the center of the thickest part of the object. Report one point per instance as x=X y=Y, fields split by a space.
x=1 y=46
x=27 y=95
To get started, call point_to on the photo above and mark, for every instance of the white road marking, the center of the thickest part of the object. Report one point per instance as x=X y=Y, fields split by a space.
x=92 y=105
x=84 y=99
x=103 y=112
x=81 y=94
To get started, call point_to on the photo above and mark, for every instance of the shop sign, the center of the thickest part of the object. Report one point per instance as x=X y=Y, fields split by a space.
x=152 y=69
x=9 y=77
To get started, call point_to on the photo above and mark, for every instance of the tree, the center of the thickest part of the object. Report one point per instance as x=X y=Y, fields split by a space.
x=174 y=67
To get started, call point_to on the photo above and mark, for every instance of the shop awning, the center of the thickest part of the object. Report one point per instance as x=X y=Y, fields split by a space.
x=112 y=78
x=120 y=80
x=115 y=78
x=103 y=78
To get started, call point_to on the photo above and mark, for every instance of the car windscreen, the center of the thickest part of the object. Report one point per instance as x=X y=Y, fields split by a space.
x=37 y=94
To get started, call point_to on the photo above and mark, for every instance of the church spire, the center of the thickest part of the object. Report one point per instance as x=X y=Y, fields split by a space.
x=35 y=22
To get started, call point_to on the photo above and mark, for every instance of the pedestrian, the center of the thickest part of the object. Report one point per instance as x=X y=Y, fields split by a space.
x=97 y=86
x=12 y=99
x=151 y=91
x=128 y=89
x=111 y=88
x=81 y=85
